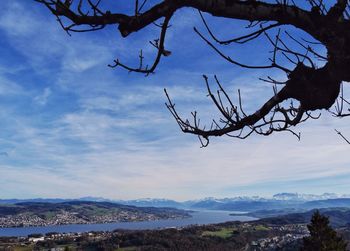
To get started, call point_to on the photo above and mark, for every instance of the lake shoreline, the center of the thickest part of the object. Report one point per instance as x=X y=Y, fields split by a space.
x=92 y=223
x=197 y=218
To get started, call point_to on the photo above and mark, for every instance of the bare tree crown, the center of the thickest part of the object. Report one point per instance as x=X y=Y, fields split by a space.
x=313 y=87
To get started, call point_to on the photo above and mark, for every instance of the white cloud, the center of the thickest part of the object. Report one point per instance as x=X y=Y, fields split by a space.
x=43 y=98
x=8 y=87
x=131 y=169
x=16 y=20
x=157 y=173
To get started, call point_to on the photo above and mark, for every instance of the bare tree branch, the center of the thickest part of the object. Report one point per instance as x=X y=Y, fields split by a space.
x=313 y=87
x=341 y=135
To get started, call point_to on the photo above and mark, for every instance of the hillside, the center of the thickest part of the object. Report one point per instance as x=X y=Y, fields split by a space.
x=339 y=217
x=249 y=205
x=79 y=212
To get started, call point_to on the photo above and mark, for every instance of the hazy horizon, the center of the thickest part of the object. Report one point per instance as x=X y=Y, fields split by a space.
x=190 y=199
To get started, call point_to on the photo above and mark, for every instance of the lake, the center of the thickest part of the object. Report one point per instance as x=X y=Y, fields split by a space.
x=198 y=218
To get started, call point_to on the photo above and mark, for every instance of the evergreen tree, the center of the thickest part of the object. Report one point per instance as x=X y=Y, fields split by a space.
x=322 y=236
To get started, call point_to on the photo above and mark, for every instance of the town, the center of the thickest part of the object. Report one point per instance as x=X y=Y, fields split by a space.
x=242 y=236
x=47 y=214
x=65 y=218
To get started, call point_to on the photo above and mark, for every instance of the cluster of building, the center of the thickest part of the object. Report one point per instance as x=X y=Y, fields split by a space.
x=290 y=234
x=125 y=216
x=12 y=243
x=64 y=218
x=21 y=220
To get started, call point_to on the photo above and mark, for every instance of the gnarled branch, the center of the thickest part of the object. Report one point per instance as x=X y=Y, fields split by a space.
x=312 y=86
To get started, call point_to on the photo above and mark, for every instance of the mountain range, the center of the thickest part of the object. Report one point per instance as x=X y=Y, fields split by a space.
x=247 y=204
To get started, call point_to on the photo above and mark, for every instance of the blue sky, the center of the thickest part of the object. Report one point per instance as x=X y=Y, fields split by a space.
x=72 y=127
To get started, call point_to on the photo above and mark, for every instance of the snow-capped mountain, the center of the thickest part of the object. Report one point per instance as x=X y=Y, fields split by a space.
x=240 y=203
x=307 y=197
x=149 y=202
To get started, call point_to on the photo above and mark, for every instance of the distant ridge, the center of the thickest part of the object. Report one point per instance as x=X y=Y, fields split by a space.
x=241 y=203
x=339 y=217
x=15 y=201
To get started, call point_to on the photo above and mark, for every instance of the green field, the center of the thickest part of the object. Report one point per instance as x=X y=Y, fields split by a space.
x=222 y=233
x=26 y=248
x=261 y=228
x=127 y=249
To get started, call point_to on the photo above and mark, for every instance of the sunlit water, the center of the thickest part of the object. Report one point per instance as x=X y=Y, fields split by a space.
x=198 y=218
